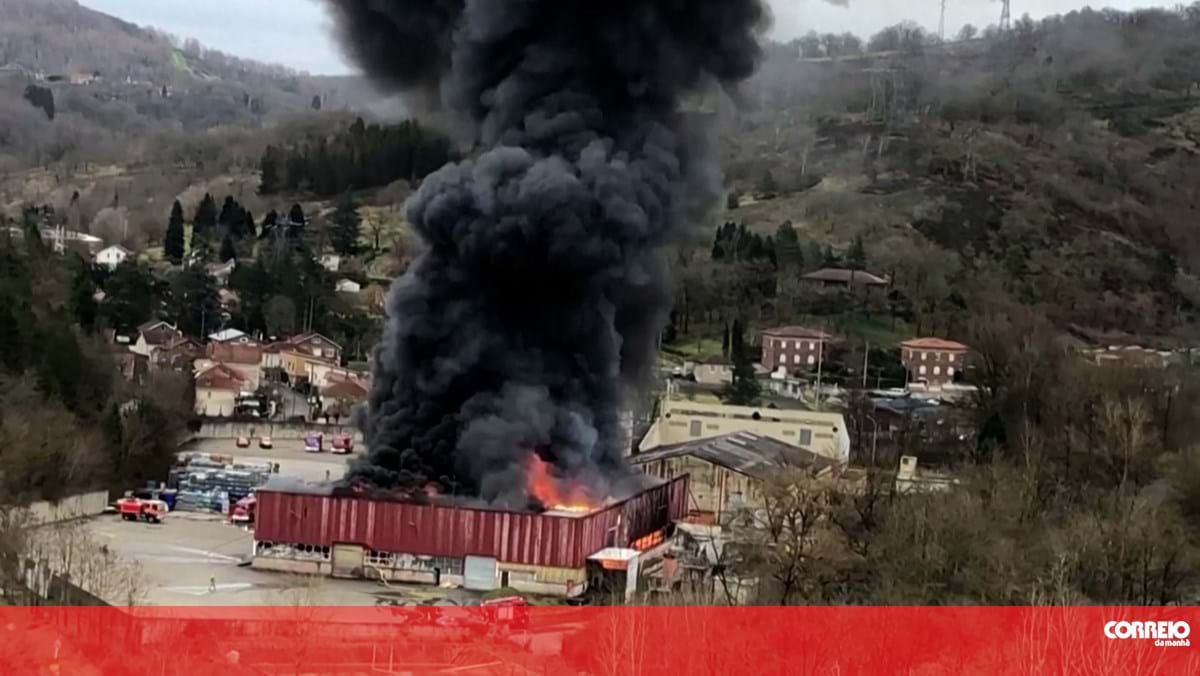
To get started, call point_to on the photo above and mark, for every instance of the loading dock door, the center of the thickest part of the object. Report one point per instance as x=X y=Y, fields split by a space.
x=479 y=573
x=348 y=560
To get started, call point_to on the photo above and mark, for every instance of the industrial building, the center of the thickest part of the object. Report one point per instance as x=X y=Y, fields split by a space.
x=331 y=530
x=683 y=421
x=724 y=472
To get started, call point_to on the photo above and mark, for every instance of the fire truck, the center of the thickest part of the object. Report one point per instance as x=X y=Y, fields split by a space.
x=343 y=444
x=136 y=509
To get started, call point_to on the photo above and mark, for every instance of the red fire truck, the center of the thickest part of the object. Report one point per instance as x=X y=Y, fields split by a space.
x=135 y=509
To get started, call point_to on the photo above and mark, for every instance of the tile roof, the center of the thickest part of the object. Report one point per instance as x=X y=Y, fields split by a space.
x=235 y=353
x=158 y=333
x=934 y=344
x=797 y=332
x=746 y=453
x=345 y=389
x=219 y=377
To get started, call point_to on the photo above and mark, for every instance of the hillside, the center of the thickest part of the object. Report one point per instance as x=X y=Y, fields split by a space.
x=1052 y=167
x=110 y=82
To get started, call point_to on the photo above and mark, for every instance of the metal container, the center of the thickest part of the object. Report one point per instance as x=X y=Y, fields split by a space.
x=299 y=518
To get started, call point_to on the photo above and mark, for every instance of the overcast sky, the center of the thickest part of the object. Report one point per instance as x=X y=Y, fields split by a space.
x=296 y=33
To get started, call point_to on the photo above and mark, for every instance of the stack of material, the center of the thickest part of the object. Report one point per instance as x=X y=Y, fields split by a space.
x=205 y=486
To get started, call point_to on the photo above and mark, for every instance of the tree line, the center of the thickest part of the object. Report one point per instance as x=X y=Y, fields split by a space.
x=360 y=157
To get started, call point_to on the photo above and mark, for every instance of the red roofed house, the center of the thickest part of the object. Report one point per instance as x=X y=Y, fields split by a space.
x=217 y=390
x=933 y=361
x=243 y=358
x=793 y=348
x=179 y=355
x=153 y=336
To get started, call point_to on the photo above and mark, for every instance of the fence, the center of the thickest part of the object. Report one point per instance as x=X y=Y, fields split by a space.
x=275 y=430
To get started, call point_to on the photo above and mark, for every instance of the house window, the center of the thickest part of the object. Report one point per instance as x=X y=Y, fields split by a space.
x=922 y=370
x=950 y=358
x=950 y=371
x=696 y=428
x=805 y=437
x=937 y=370
x=924 y=356
x=795 y=359
x=811 y=360
x=782 y=358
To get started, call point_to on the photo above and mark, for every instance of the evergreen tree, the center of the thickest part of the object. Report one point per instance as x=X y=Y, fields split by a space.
x=269 y=167
x=857 y=256
x=131 y=298
x=173 y=242
x=231 y=212
x=204 y=223
x=346 y=226
x=193 y=302
x=788 y=253
x=744 y=390
x=248 y=227
x=296 y=215
x=228 y=252
x=83 y=298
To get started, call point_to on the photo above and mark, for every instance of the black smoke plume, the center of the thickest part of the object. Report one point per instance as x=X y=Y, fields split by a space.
x=543 y=287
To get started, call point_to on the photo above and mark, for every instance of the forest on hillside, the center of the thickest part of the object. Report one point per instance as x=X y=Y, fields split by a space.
x=1048 y=166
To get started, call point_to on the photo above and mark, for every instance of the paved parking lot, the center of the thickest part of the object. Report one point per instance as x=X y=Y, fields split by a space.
x=193 y=560
x=289 y=454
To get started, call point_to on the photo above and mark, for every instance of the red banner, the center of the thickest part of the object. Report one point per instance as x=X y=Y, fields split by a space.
x=625 y=640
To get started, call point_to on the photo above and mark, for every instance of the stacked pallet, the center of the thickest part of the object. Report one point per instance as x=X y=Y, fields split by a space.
x=206 y=486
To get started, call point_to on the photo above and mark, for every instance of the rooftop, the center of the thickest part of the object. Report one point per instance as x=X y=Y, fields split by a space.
x=934 y=344
x=846 y=276
x=746 y=453
x=797 y=332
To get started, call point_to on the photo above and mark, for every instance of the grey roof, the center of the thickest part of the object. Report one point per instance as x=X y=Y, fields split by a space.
x=844 y=276
x=743 y=452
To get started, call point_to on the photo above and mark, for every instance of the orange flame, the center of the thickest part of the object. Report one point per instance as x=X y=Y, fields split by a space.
x=549 y=491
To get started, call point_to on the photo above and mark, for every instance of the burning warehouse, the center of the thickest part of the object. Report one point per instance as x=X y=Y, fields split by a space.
x=541 y=290
x=335 y=531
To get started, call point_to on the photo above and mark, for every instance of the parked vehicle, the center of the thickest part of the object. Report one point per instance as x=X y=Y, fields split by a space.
x=265 y=442
x=243 y=510
x=314 y=443
x=243 y=442
x=136 y=509
x=343 y=444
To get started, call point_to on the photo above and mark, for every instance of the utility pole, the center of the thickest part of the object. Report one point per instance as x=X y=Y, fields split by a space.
x=866 y=363
x=1005 y=16
x=942 y=23
x=820 y=364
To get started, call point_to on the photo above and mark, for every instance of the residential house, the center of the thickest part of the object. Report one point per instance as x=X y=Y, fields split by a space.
x=217 y=391
x=316 y=345
x=331 y=262
x=340 y=396
x=348 y=286
x=793 y=348
x=231 y=336
x=221 y=272
x=725 y=471
x=714 y=371
x=154 y=335
x=178 y=356
x=838 y=278
x=1132 y=356
x=243 y=358
x=111 y=257
x=933 y=362
x=682 y=421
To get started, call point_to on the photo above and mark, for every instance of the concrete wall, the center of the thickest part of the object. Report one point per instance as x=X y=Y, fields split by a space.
x=275 y=430
x=213 y=403
x=67 y=509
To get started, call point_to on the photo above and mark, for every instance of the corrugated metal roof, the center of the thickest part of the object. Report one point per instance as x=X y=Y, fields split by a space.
x=305 y=517
x=743 y=452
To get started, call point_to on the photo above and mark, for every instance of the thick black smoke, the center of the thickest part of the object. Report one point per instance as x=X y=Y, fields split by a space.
x=544 y=287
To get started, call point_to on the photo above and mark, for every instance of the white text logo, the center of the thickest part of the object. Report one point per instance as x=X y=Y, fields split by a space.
x=1162 y=633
